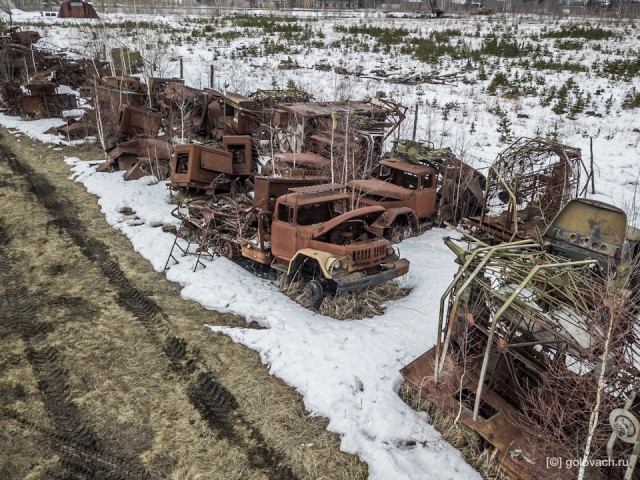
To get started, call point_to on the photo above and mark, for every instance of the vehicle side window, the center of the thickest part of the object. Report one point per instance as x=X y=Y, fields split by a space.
x=409 y=180
x=385 y=172
x=426 y=181
x=285 y=213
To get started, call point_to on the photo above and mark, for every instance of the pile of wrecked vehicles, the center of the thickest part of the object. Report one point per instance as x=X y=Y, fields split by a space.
x=520 y=358
x=332 y=237
x=321 y=210
x=537 y=350
x=537 y=345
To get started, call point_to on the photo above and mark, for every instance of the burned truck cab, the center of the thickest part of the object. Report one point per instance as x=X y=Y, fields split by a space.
x=406 y=190
x=212 y=169
x=315 y=236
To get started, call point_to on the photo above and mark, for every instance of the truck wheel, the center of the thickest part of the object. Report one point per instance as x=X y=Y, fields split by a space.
x=400 y=232
x=313 y=291
x=226 y=249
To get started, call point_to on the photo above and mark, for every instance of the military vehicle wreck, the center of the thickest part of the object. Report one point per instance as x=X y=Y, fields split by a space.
x=527 y=186
x=420 y=186
x=534 y=338
x=309 y=234
x=213 y=169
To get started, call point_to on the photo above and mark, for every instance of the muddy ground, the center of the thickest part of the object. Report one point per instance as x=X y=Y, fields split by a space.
x=106 y=373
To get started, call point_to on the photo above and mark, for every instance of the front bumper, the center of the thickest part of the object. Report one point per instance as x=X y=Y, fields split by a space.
x=359 y=280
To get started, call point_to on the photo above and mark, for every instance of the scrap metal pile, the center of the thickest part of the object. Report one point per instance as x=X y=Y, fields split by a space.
x=534 y=337
x=30 y=77
x=526 y=187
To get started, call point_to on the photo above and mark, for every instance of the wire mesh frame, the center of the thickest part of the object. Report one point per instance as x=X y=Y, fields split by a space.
x=530 y=182
x=534 y=309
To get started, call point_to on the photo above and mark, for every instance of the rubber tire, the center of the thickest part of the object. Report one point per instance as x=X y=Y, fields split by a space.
x=314 y=291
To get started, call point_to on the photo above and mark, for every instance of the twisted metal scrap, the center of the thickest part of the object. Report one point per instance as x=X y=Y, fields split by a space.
x=538 y=311
x=530 y=182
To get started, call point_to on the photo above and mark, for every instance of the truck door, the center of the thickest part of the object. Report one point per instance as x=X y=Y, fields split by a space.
x=283 y=233
x=426 y=196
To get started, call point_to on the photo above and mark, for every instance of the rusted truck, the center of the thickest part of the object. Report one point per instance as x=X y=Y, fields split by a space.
x=310 y=234
x=419 y=186
x=213 y=169
x=313 y=234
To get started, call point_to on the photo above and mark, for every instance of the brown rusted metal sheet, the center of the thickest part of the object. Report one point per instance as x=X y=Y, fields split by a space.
x=298 y=165
x=139 y=121
x=231 y=114
x=152 y=155
x=267 y=189
x=197 y=166
x=241 y=149
x=46 y=106
x=379 y=188
x=216 y=160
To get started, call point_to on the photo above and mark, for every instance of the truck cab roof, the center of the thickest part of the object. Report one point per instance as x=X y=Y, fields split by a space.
x=330 y=192
x=406 y=166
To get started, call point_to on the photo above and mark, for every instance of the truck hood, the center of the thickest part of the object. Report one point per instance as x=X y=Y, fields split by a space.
x=379 y=188
x=368 y=214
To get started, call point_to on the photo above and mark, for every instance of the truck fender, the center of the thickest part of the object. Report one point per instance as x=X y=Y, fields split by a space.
x=391 y=215
x=323 y=259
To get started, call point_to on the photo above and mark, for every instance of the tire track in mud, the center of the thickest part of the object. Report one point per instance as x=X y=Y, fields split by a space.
x=216 y=405
x=81 y=452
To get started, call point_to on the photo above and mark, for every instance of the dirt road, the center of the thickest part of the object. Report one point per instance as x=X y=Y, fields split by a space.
x=106 y=373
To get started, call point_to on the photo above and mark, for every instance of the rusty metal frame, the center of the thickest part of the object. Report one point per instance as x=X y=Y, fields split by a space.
x=512 y=299
x=527 y=186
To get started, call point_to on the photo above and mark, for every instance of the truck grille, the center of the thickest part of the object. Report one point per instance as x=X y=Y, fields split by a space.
x=370 y=255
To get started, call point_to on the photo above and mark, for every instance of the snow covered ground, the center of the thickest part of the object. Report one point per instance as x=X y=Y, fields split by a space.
x=348 y=370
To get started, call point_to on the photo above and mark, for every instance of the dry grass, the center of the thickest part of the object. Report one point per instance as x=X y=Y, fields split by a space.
x=120 y=380
x=457 y=434
x=180 y=196
x=357 y=305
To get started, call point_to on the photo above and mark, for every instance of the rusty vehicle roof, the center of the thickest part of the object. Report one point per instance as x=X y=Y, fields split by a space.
x=380 y=188
x=329 y=192
x=303 y=159
x=239 y=101
x=407 y=166
x=325 y=109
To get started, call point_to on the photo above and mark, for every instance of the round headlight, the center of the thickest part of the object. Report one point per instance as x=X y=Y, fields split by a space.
x=336 y=264
x=390 y=251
